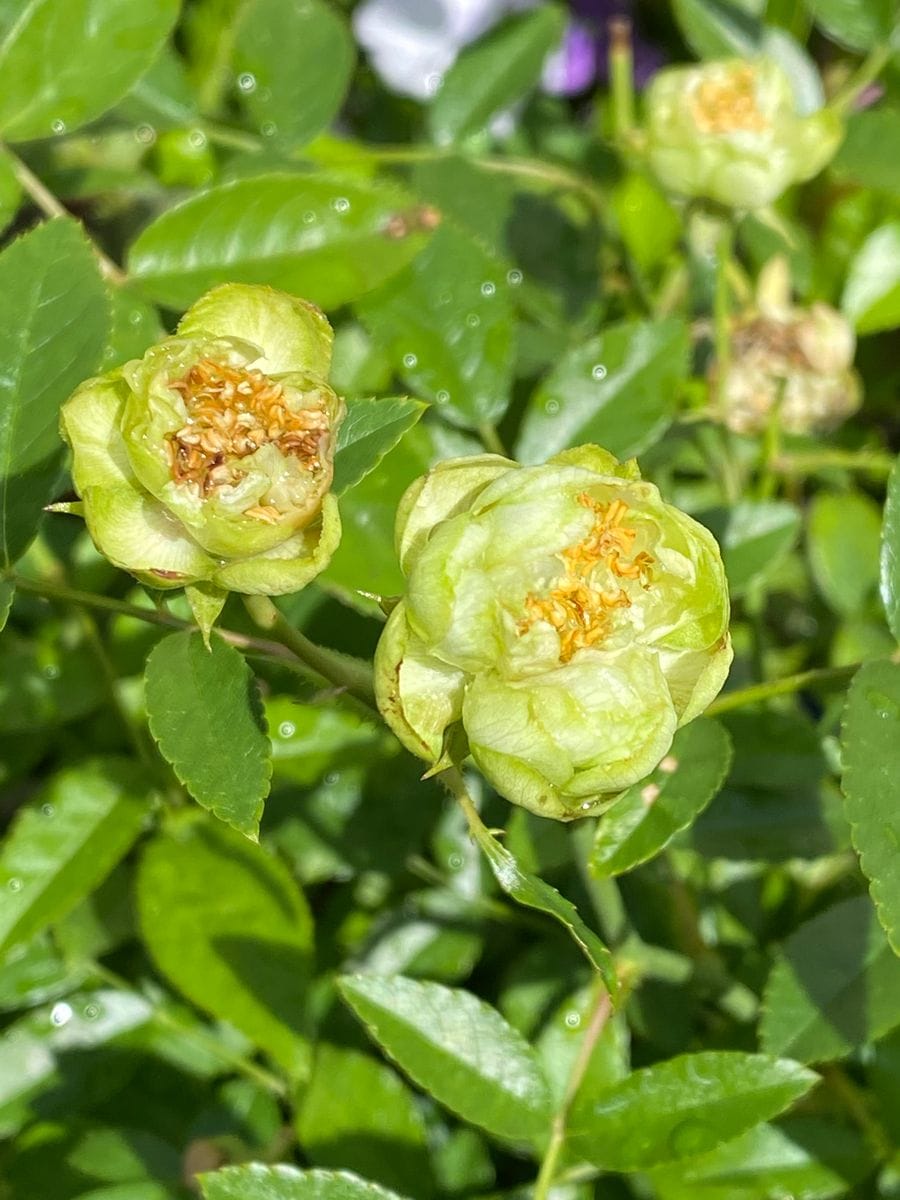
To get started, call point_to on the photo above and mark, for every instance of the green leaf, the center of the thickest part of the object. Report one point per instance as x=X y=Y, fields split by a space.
x=834 y=986
x=10 y=191
x=446 y=322
x=718 y=29
x=46 y=683
x=550 y=245
x=294 y=65
x=225 y=922
x=61 y=848
x=890 y=553
x=48 y=88
x=494 y=73
x=370 y=429
x=358 y=1115
x=533 y=892
x=366 y=560
x=54 y=319
x=755 y=536
x=683 y=1107
x=205 y=714
x=859 y=24
x=870 y=750
x=31 y=1048
x=804 y=1157
x=843 y=544
x=135 y=328
x=871 y=298
x=7 y=595
x=258 y=1182
x=458 y=1049
x=329 y=241
x=870 y=152
x=645 y=818
x=618 y=389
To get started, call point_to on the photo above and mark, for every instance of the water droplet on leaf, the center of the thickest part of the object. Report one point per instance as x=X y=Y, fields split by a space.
x=61 y=1014
x=598 y=372
x=247 y=82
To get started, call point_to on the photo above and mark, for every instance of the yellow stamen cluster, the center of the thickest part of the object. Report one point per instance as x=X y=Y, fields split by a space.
x=232 y=411
x=578 y=610
x=729 y=105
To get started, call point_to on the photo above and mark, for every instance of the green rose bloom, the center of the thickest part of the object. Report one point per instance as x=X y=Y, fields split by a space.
x=787 y=363
x=209 y=460
x=563 y=618
x=730 y=131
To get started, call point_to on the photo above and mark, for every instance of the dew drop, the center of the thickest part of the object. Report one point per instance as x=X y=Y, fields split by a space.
x=442 y=396
x=51 y=671
x=309 y=218
x=197 y=138
x=455 y=861
x=14 y=884
x=136 y=318
x=145 y=134
x=473 y=320
x=410 y=360
x=573 y=1020
x=247 y=82
x=488 y=288
x=551 y=407
x=268 y=129
x=598 y=372
x=587 y=806
x=287 y=729
x=340 y=204
x=514 y=277
x=332 y=778
x=61 y=1014
x=92 y=1011
x=47 y=810
x=433 y=82
x=58 y=126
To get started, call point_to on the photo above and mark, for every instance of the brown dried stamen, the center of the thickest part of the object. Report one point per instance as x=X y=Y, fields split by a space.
x=578 y=609
x=729 y=105
x=232 y=412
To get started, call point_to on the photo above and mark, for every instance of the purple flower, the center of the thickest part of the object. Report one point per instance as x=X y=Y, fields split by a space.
x=573 y=67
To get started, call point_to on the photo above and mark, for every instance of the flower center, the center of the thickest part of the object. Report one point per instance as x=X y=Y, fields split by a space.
x=578 y=608
x=232 y=412
x=728 y=105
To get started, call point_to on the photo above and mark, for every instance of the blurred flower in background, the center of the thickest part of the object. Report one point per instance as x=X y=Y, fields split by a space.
x=787 y=363
x=412 y=43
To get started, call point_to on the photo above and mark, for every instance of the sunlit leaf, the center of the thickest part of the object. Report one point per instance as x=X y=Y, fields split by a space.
x=456 y=1047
